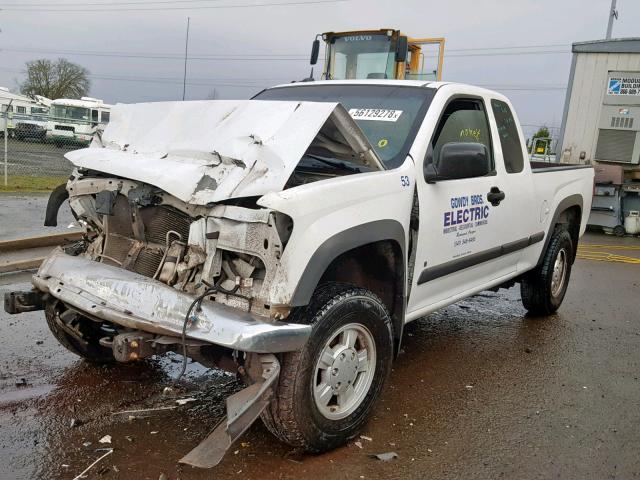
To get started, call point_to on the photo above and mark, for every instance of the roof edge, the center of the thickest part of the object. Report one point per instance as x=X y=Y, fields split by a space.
x=613 y=45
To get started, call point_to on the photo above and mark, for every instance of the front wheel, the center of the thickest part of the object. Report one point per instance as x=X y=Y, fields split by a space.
x=327 y=390
x=77 y=334
x=543 y=288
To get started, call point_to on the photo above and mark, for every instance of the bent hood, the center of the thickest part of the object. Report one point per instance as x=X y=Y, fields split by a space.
x=207 y=151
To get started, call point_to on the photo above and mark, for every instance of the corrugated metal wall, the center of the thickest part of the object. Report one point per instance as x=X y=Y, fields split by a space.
x=587 y=95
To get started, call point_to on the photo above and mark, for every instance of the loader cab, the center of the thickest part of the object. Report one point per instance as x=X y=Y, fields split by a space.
x=379 y=54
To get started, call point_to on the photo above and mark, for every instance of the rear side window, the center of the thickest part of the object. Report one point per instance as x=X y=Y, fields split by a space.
x=509 y=137
x=105 y=117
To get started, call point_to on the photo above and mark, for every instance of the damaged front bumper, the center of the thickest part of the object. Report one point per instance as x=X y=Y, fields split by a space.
x=135 y=301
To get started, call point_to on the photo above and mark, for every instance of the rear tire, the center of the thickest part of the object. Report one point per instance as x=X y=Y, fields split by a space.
x=85 y=339
x=543 y=288
x=327 y=390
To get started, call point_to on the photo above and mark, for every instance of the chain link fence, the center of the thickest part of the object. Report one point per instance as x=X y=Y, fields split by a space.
x=29 y=159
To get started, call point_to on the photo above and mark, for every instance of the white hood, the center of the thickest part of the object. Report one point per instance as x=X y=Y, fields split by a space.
x=207 y=151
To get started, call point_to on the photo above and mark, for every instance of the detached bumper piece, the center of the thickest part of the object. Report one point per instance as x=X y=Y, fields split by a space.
x=243 y=408
x=20 y=302
x=135 y=301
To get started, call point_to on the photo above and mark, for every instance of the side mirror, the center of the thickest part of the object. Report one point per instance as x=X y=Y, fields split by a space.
x=402 y=48
x=430 y=173
x=463 y=160
x=315 y=50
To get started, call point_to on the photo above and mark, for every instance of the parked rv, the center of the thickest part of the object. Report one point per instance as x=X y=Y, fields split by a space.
x=75 y=121
x=23 y=117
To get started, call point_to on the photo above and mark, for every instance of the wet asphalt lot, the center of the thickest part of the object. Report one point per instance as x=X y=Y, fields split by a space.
x=480 y=391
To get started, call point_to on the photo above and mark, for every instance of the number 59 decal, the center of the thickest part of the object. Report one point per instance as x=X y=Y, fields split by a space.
x=404 y=181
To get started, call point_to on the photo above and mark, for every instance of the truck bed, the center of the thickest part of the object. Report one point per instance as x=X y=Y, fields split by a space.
x=541 y=167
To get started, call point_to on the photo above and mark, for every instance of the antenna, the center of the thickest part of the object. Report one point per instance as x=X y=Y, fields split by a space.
x=186 y=52
x=613 y=13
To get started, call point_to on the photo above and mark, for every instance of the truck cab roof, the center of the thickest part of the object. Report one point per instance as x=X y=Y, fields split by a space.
x=468 y=88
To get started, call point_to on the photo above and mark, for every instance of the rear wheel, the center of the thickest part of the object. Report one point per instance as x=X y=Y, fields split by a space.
x=543 y=289
x=327 y=390
x=78 y=334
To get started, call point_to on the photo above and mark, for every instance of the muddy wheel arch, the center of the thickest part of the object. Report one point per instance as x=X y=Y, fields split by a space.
x=367 y=255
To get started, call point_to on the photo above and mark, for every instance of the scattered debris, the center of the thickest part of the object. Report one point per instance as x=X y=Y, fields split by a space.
x=75 y=423
x=144 y=411
x=129 y=438
x=39 y=342
x=364 y=437
x=385 y=457
x=358 y=444
x=154 y=432
x=469 y=387
x=163 y=476
x=167 y=391
x=86 y=444
x=22 y=383
x=105 y=439
x=81 y=474
x=184 y=401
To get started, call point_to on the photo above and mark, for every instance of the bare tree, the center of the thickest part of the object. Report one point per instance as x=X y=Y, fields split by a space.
x=56 y=79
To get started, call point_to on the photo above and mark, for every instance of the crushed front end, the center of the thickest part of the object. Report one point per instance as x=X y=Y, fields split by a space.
x=177 y=255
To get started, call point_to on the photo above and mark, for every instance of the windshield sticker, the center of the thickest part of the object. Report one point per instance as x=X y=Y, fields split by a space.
x=378 y=114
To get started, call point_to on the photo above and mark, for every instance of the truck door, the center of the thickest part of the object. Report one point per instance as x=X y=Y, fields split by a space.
x=466 y=235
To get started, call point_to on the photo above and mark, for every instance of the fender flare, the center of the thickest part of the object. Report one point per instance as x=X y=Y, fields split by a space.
x=56 y=199
x=342 y=242
x=574 y=200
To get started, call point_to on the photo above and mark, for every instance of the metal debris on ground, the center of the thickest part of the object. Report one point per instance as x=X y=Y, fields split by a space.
x=364 y=437
x=145 y=411
x=81 y=474
x=105 y=439
x=184 y=401
x=385 y=457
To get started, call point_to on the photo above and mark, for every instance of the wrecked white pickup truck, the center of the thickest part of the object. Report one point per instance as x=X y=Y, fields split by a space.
x=290 y=237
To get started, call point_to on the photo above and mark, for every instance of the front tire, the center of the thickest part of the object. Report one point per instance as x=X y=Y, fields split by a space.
x=327 y=390
x=80 y=335
x=543 y=288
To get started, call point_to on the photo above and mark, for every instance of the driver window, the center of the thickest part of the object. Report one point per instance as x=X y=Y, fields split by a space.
x=464 y=120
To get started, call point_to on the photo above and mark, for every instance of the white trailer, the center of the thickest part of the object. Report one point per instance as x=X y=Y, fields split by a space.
x=75 y=121
x=23 y=115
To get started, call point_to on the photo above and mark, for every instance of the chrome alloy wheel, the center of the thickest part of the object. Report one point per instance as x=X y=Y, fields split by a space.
x=559 y=272
x=344 y=371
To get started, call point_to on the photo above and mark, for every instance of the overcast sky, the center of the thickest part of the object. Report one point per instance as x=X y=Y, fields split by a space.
x=110 y=43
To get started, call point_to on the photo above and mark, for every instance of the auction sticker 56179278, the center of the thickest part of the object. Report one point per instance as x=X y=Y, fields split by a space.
x=379 y=114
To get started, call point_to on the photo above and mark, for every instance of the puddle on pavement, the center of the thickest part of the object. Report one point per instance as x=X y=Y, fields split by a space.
x=22 y=394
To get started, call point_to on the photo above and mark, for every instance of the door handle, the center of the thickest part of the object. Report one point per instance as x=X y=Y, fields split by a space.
x=495 y=196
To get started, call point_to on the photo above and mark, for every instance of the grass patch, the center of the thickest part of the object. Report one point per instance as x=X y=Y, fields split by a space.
x=25 y=183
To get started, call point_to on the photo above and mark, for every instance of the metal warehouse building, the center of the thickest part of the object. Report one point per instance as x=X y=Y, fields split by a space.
x=601 y=118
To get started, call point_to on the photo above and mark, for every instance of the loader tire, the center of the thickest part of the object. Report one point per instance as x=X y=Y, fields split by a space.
x=327 y=390
x=85 y=343
x=543 y=288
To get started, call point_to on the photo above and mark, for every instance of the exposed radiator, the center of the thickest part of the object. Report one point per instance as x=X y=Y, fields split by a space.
x=157 y=220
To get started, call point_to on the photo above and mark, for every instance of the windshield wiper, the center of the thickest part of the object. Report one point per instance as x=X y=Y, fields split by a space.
x=334 y=163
